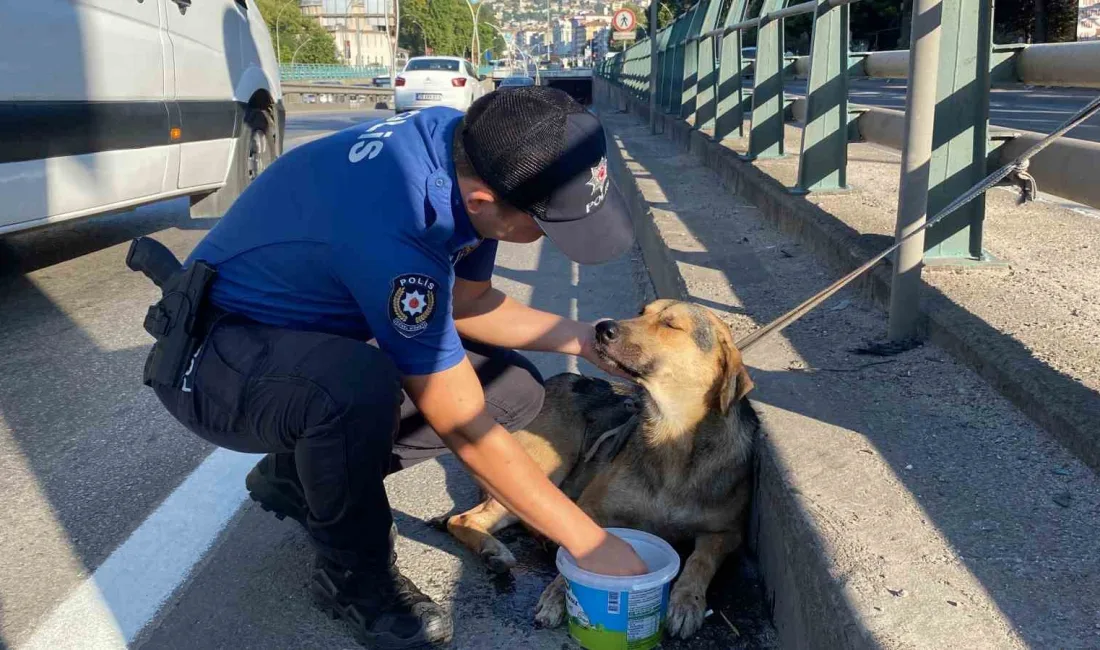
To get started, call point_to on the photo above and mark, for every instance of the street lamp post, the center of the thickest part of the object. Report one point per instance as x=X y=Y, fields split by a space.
x=474 y=37
x=295 y=55
x=347 y=31
x=395 y=43
x=423 y=34
x=278 y=49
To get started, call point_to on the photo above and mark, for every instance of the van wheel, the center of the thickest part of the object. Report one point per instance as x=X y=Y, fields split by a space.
x=256 y=149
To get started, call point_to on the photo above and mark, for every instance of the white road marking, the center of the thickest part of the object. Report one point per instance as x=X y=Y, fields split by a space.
x=111 y=607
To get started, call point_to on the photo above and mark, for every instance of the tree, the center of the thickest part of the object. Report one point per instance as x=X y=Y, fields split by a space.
x=447 y=27
x=296 y=33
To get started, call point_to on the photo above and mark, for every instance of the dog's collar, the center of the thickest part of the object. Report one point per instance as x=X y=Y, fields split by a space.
x=617 y=436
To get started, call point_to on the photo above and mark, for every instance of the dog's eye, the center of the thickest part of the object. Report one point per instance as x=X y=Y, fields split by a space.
x=672 y=325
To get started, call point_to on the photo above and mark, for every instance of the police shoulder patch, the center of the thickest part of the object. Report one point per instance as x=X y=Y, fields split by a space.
x=412 y=303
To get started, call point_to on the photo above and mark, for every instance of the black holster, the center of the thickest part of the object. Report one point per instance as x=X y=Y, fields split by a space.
x=177 y=321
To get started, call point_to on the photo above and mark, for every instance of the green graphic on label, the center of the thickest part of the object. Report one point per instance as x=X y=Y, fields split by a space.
x=602 y=620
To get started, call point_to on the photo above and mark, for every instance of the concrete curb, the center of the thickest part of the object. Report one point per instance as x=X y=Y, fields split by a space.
x=1065 y=408
x=807 y=603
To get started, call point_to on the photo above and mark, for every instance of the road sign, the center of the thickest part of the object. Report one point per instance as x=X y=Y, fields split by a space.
x=624 y=20
x=622 y=36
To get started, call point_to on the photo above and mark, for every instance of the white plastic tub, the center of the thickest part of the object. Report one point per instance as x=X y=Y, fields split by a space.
x=612 y=613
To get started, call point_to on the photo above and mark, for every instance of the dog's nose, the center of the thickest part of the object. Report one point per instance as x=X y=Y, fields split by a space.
x=607 y=331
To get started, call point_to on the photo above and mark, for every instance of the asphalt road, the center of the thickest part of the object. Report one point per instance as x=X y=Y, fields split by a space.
x=121 y=528
x=1031 y=109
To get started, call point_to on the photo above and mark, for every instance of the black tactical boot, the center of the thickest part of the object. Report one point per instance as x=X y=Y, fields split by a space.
x=385 y=609
x=273 y=483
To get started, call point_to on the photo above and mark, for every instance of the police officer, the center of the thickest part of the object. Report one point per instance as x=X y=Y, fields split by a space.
x=353 y=330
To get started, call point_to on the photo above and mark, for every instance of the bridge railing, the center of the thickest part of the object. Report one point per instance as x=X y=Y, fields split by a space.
x=329 y=72
x=702 y=73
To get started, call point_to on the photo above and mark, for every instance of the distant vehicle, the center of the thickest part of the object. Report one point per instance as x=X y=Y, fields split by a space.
x=515 y=82
x=436 y=81
x=108 y=105
x=750 y=53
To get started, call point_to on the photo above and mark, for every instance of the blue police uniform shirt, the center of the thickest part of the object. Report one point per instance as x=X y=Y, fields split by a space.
x=360 y=234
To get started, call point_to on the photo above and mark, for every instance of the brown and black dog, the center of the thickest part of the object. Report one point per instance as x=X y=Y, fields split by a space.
x=670 y=456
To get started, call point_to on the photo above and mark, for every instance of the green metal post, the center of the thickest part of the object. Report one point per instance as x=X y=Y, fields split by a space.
x=824 y=161
x=665 y=98
x=674 y=31
x=630 y=62
x=730 y=112
x=766 y=134
x=691 y=60
x=960 y=140
x=679 y=61
x=704 y=98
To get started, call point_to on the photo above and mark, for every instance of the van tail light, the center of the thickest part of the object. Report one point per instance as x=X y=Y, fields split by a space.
x=399 y=82
x=458 y=82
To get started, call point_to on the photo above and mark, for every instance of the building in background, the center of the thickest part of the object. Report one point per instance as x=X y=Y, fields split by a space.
x=361 y=29
x=538 y=42
x=563 y=37
x=1088 y=20
x=585 y=29
x=579 y=39
x=600 y=42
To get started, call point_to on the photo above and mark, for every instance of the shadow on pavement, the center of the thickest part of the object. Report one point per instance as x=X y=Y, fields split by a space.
x=970 y=461
x=88 y=451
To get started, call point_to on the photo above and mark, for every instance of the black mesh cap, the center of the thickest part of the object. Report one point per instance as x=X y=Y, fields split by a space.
x=543 y=153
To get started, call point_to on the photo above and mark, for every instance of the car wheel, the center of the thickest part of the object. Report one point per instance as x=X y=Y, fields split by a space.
x=256 y=149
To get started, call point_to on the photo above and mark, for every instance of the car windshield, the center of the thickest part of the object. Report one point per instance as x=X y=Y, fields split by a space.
x=447 y=65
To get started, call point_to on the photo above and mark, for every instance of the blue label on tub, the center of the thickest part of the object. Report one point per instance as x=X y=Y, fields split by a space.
x=603 y=620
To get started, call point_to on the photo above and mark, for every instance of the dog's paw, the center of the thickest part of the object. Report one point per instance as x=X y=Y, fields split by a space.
x=497 y=557
x=439 y=523
x=550 y=611
x=686 y=613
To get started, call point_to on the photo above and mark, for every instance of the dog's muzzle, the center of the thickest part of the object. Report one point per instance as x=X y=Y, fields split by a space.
x=607 y=331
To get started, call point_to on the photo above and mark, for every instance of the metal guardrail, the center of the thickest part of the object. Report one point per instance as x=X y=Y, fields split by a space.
x=700 y=70
x=307 y=93
x=565 y=73
x=1066 y=65
x=322 y=71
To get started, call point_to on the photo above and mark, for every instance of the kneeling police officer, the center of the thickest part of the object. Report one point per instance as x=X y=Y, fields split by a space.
x=350 y=329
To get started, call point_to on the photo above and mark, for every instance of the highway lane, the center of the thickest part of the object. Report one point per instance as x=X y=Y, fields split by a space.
x=1014 y=107
x=86 y=451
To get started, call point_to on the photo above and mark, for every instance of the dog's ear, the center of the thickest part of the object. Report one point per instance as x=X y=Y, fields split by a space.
x=736 y=382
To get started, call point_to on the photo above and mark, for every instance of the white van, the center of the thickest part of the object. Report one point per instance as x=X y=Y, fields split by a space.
x=109 y=104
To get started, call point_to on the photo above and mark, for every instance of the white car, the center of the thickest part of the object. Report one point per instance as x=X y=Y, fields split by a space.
x=109 y=104
x=436 y=81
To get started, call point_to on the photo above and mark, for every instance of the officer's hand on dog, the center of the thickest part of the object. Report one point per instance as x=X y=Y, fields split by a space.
x=588 y=352
x=612 y=557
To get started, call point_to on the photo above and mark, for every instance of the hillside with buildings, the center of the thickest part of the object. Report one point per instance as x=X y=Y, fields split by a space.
x=575 y=31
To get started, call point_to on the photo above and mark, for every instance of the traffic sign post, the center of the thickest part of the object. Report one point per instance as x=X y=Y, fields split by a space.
x=624 y=20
